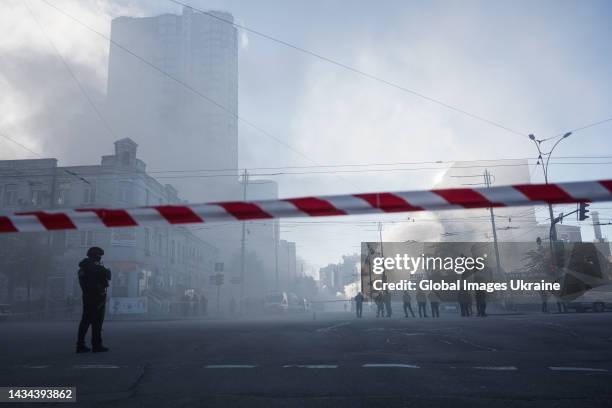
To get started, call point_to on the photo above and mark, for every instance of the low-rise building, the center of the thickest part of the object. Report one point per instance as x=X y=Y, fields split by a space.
x=159 y=262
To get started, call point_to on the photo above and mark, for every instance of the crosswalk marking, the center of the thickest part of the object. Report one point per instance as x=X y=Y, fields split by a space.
x=497 y=368
x=390 y=365
x=230 y=366
x=577 y=369
x=311 y=366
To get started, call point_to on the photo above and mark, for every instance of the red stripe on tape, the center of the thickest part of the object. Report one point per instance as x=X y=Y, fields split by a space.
x=245 y=211
x=607 y=184
x=388 y=202
x=315 y=206
x=175 y=214
x=112 y=218
x=549 y=193
x=465 y=197
x=6 y=225
x=52 y=221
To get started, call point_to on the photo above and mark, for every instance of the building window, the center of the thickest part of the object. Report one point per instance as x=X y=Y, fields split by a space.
x=63 y=197
x=86 y=238
x=37 y=194
x=89 y=195
x=10 y=195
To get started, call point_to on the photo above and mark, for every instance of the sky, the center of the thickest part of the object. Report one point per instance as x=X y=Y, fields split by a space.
x=534 y=67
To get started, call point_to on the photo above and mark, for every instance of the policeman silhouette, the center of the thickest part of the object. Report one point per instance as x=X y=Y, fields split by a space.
x=93 y=279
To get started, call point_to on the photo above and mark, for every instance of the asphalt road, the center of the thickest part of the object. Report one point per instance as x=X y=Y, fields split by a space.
x=334 y=361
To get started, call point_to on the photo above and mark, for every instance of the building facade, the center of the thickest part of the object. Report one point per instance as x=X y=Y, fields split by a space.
x=159 y=262
x=188 y=114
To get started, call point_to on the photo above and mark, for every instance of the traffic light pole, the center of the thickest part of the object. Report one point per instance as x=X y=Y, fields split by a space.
x=487 y=177
x=553 y=229
x=245 y=181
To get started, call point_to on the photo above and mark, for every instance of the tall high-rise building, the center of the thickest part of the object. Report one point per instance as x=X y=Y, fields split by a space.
x=176 y=127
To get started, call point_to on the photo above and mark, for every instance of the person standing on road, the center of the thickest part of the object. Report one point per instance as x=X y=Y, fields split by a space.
x=407 y=305
x=93 y=279
x=359 y=304
x=544 y=298
x=481 y=303
x=434 y=302
x=421 y=298
x=387 y=300
x=380 y=311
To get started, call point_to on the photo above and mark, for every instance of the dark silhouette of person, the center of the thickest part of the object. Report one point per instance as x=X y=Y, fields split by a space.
x=380 y=310
x=359 y=304
x=421 y=298
x=481 y=302
x=387 y=300
x=93 y=279
x=407 y=304
x=434 y=302
x=463 y=297
x=544 y=298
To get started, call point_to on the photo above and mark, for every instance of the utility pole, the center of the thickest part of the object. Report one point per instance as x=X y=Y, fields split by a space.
x=487 y=179
x=544 y=164
x=245 y=181
x=382 y=255
x=276 y=227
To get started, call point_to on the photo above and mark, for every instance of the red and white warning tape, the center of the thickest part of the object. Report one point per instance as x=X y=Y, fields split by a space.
x=405 y=201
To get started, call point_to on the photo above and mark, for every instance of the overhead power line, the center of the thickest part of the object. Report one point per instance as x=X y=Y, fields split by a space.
x=353 y=69
x=41 y=157
x=309 y=172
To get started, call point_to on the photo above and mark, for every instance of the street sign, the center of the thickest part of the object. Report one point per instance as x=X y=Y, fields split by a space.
x=218 y=266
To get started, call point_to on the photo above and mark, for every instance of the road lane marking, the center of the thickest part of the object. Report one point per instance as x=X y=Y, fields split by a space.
x=311 y=366
x=36 y=366
x=578 y=369
x=497 y=368
x=230 y=366
x=392 y=365
x=87 y=366
x=334 y=326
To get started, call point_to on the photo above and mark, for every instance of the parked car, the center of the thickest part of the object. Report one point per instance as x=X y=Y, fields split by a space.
x=276 y=302
x=597 y=300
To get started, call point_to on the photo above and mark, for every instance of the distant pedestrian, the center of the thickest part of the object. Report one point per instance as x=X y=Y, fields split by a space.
x=468 y=299
x=481 y=303
x=561 y=306
x=93 y=279
x=463 y=297
x=387 y=299
x=544 y=298
x=380 y=309
x=359 y=304
x=434 y=302
x=421 y=298
x=407 y=304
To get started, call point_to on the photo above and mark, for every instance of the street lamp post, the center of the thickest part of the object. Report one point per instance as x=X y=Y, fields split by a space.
x=544 y=164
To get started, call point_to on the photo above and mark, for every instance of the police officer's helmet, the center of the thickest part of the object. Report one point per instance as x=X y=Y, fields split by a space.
x=95 y=252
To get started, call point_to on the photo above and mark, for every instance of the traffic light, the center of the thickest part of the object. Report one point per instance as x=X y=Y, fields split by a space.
x=582 y=211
